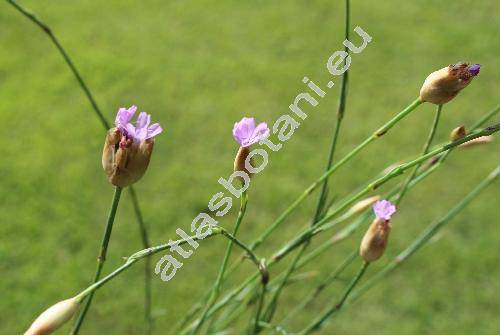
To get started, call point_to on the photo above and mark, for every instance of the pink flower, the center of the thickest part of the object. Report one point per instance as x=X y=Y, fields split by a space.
x=246 y=133
x=384 y=209
x=142 y=130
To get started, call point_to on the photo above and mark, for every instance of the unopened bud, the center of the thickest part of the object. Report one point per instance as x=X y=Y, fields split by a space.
x=362 y=205
x=443 y=85
x=477 y=141
x=54 y=317
x=125 y=160
x=375 y=240
x=457 y=133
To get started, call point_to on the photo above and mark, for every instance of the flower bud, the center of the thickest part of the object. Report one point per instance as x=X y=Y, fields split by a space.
x=457 y=133
x=125 y=161
x=54 y=317
x=128 y=148
x=247 y=133
x=360 y=206
x=477 y=141
x=375 y=240
x=443 y=85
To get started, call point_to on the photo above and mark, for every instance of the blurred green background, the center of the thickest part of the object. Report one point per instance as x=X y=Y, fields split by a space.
x=197 y=67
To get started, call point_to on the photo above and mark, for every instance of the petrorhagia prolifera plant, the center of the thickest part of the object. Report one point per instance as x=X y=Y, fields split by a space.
x=438 y=91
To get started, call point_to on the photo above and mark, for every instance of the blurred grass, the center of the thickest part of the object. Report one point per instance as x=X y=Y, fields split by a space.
x=198 y=66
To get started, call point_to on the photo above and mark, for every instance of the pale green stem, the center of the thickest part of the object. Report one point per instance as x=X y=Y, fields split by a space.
x=332 y=276
x=273 y=304
x=340 y=117
x=256 y=327
x=147 y=262
x=377 y=134
x=320 y=321
x=427 y=234
x=218 y=283
x=106 y=125
x=427 y=145
x=33 y=18
x=101 y=258
x=156 y=249
x=375 y=184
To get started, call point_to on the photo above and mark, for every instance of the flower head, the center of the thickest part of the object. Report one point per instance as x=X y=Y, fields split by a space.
x=443 y=85
x=142 y=130
x=246 y=133
x=128 y=148
x=384 y=209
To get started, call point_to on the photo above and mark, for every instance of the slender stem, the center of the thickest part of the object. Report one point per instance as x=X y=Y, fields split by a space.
x=101 y=258
x=486 y=117
x=375 y=184
x=427 y=145
x=144 y=253
x=147 y=262
x=340 y=116
x=106 y=125
x=319 y=322
x=67 y=59
x=329 y=279
x=426 y=235
x=381 y=131
x=218 y=283
x=377 y=134
x=256 y=327
x=271 y=309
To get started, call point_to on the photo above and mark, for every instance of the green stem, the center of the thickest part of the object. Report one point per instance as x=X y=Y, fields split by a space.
x=375 y=184
x=340 y=116
x=427 y=145
x=141 y=254
x=218 y=283
x=329 y=279
x=319 y=322
x=46 y=29
x=256 y=328
x=271 y=309
x=427 y=234
x=377 y=134
x=101 y=258
x=67 y=59
x=147 y=262
x=381 y=131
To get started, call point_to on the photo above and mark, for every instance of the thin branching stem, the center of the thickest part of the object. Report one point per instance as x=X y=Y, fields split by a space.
x=330 y=278
x=426 y=235
x=353 y=153
x=273 y=303
x=103 y=250
x=215 y=292
x=323 y=318
x=106 y=125
x=427 y=145
x=147 y=262
x=371 y=186
x=141 y=254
